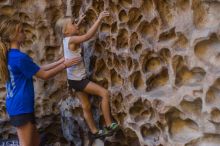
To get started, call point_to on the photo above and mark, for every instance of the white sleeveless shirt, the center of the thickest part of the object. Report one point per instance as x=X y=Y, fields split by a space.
x=78 y=71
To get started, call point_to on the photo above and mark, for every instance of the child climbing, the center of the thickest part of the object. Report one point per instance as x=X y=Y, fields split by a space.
x=16 y=71
x=76 y=75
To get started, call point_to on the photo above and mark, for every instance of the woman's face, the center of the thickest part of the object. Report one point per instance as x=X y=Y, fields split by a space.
x=20 y=35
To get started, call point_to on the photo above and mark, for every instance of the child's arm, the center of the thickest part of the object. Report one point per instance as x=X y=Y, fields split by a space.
x=52 y=65
x=91 y=32
x=81 y=17
x=52 y=72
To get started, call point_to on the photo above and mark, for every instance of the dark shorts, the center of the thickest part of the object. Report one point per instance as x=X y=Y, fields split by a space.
x=78 y=85
x=20 y=120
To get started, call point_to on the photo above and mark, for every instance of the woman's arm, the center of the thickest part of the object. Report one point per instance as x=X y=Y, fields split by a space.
x=91 y=32
x=46 y=74
x=52 y=65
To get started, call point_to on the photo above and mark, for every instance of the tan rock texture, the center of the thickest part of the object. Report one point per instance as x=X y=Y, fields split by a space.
x=158 y=58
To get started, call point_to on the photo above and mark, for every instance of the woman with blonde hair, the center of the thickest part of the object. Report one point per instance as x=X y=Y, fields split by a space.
x=16 y=71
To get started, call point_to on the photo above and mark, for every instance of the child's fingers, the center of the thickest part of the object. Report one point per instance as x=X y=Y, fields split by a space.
x=104 y=14
x=82 y=16
x=105 y=11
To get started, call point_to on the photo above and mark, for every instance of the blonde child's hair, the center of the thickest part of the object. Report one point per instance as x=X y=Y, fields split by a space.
x=8 y=29
x=60 y=26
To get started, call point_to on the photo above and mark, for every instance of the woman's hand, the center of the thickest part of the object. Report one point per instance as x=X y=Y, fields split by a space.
x=72 y=61
x=103 y=14
x=61 y=60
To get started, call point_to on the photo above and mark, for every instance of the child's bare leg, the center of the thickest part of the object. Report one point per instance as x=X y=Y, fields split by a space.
x=83 y=97
x=95 y=89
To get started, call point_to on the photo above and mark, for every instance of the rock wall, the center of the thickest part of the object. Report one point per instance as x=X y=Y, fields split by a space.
x=158 y=58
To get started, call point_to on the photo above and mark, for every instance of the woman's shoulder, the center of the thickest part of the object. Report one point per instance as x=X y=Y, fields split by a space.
x=16 y=53
x=24 y=56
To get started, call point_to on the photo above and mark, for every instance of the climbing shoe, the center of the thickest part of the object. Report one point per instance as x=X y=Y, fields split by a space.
x=114 y=127
x=99 y=134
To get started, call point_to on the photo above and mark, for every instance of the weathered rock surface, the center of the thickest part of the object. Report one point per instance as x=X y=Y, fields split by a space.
x=158 y=58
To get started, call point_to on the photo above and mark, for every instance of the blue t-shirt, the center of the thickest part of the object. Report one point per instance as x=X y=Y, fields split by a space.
x=20 y=88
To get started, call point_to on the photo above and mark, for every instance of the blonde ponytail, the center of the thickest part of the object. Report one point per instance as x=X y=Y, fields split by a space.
x=8 y=29
x=3 y=63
